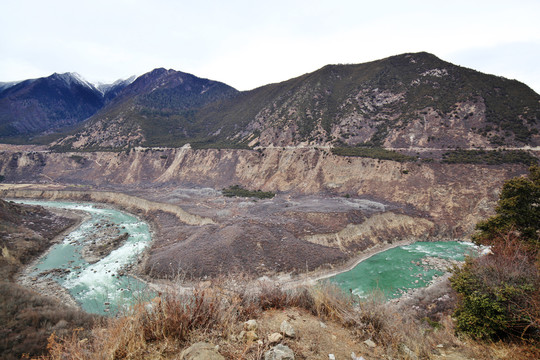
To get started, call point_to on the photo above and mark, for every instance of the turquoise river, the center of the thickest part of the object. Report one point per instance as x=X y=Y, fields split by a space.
x=99 y=287
x=396 y=270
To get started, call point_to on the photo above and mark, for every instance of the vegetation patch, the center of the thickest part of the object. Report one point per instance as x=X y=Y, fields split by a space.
x=499 y=293
x=491 y=157
x=237 y=190
x=373 y=153
x=77 y=158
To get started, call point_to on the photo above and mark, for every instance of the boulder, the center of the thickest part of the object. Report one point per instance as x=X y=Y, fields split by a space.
x=370 y=343
x=279 y=352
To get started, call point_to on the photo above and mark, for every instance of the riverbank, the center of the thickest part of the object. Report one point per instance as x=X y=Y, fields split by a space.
x=308 y=279
x=42 y=284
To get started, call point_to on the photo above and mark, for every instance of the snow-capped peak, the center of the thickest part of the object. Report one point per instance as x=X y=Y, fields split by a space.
x=103 y=88
x=72 y=77
x=7 y=85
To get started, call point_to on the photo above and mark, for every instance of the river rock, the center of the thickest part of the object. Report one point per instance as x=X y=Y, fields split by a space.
x=287 y=329
x=279 y=352
x=201 y=351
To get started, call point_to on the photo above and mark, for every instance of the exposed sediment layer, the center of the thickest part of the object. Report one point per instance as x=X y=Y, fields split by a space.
x=380 y=228
x=128 y=202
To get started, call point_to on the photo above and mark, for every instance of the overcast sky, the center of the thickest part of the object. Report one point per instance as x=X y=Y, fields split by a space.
x=247 y=44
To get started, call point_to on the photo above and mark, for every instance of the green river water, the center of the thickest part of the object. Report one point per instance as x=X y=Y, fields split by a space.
x=101 y=288
x=396 y=270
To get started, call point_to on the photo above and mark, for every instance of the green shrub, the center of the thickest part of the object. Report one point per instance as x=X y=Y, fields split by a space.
x=491 y=157
x=373 y=153
x=517 y=210
x=499 y=293
x=237 y=190
x=495 y=307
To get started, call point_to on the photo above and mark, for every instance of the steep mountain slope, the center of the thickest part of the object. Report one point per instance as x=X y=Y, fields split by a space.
x=409 y=100
x=157 y=108
x=402 y=101
x=46 y=104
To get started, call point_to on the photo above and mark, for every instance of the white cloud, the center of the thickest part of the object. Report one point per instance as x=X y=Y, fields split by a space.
x=249 y=44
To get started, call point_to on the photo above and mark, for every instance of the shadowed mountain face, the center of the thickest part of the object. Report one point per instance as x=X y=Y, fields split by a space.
x=40 y=106
x=158 y=108
x=404 y=101
x=46 y=104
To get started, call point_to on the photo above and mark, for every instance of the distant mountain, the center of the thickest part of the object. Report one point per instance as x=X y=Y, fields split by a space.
x=40 y=105
x=37 y=106
x=5 y=85
x=409 y=101
x=404 y=101
x=156 y=108
x=110 y=91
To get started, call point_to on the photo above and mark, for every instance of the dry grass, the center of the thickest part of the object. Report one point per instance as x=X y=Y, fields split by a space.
x=215 y=313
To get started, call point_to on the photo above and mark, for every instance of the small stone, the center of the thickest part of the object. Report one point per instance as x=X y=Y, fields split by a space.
x=274 y=338
x=249 y=336
x=331 y=357
x=323 y=325
x=251 y=325
x=409 y=352
x=279 y=352
x=201 y=351
x=287 y=329
x=370 y=343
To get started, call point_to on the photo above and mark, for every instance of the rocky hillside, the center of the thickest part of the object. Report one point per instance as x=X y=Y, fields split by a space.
x=404 y=101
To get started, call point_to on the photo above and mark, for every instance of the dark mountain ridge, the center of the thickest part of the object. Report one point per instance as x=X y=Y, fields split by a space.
x=39 y=106
x=151 y=110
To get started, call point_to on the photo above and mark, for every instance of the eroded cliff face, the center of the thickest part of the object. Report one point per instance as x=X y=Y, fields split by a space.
x=454 y=197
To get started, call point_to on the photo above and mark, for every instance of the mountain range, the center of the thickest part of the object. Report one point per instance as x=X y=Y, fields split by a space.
x=49 y=104
x=413 y=100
